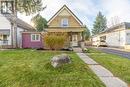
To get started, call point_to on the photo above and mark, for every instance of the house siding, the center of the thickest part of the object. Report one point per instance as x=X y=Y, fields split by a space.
x=57 y=22
x=5 y=25
x=113 y=39
x=127 y=37
x=27 y=43
x=116 y=39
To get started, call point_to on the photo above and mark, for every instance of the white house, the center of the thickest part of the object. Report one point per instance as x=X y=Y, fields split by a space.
x=115 y=36
x=7 y=33
x=10 y=29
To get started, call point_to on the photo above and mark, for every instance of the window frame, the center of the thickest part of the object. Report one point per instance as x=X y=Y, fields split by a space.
x=63 y=21
x=35 y=37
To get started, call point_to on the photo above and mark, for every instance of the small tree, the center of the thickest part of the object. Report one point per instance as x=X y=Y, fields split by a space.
x=100 y=24
x=55 y=41
x=39 y=22
x=87 y=33
x=29 y=6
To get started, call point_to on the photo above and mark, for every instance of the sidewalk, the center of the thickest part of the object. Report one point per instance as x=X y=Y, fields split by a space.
x=105 y=75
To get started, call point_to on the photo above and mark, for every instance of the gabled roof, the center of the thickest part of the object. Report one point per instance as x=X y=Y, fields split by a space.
x=20 y=23
x=65 y=7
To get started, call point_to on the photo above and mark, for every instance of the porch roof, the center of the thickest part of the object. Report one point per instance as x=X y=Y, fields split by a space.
x=5 y=32
x=66 y=29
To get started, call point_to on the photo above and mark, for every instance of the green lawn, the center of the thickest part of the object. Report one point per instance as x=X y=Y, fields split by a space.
x=30 y=68
x=119 y=66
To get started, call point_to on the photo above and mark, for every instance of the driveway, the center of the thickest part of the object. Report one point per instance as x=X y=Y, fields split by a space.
x=114 y=51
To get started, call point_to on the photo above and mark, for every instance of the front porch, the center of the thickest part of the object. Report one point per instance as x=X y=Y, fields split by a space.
x=5 y=38
x=4 y=41
x=4 y=44
x=73 y=39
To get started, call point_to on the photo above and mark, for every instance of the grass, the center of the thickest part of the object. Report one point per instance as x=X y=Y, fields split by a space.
x=91 y=50
x=30 y=68
x=118 y=65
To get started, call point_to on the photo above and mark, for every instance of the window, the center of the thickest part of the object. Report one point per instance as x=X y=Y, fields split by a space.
x=6 y=7
x=103 y=39
x=64 y=22
x=128 y=34
x=35 y=37
x=5 y=39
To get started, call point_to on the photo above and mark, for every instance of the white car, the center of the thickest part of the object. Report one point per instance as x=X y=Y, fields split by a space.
x=101 y=43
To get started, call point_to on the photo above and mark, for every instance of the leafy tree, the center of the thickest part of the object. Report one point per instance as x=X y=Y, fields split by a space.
x=87 y=33
x=39 y=22
x=29 y=6
x=100 y=24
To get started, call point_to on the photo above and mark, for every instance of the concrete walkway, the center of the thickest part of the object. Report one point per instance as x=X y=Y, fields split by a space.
x=105 y=75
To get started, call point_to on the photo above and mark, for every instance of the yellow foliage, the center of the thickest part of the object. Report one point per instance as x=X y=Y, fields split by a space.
x=55 y=41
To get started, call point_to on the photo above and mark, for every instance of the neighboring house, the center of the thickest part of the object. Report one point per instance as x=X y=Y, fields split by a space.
x=65 y=21
x=115 y=36
x=7 y=31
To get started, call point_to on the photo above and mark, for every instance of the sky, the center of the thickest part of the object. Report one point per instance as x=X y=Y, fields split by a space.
x=86 y=10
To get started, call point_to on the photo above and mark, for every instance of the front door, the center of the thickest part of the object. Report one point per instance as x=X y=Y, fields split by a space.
x=75 y=40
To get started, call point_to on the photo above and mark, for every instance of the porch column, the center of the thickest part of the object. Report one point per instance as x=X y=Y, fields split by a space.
x=82 y=44
x=71 y=36
x=83 y=37
x=71 y=39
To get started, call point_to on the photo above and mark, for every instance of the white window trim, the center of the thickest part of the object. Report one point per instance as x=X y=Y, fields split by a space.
x=35 y=37
x=62 y=22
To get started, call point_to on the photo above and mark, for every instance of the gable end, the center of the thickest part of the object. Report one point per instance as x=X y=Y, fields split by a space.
x=65 y=7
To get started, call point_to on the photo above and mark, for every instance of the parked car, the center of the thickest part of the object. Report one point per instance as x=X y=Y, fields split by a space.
x=101 y=43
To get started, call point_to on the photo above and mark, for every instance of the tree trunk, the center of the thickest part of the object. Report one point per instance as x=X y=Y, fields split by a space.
x=15 y=25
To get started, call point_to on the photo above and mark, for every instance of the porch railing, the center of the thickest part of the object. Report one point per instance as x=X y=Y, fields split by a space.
x=3 y=42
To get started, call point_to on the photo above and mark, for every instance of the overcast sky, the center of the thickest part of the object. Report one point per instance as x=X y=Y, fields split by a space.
x=86 y=10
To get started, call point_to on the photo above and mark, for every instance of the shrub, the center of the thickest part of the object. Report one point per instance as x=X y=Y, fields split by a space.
x=55 y=41
x=85 y=50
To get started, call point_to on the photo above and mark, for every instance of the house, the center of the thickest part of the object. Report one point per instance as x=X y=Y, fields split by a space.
x=64 y=21
x=7 y=33
x=115 y=36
